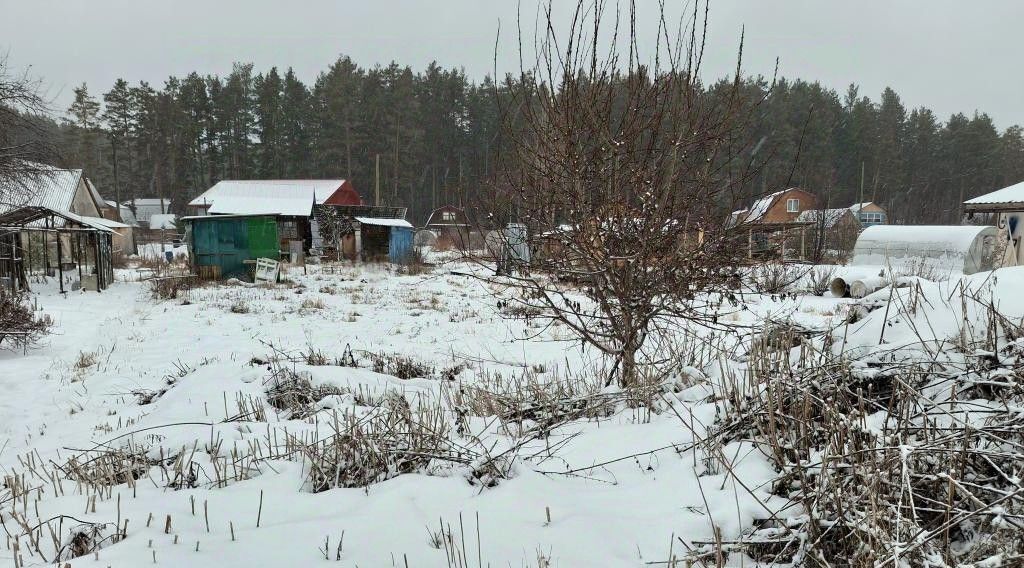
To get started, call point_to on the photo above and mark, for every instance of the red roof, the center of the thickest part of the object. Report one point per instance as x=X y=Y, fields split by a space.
x=346 y=194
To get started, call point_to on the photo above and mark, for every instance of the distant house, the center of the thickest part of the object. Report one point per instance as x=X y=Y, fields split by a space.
x=346 y=194
x=307 y=210
x=71 y=191
x=773 y=224
x=870 y=214
x=780 y=208
x=450 y=224
x=144 y=208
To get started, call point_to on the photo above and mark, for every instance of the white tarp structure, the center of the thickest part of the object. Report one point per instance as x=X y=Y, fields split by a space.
x=960 y=249
x=884 y=253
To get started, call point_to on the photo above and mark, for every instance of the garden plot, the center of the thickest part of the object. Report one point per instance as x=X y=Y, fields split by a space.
x=374 y=419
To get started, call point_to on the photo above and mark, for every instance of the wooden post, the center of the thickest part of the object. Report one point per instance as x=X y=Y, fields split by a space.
x=358 y=238
x=803 y=233
x=78 y=260
x=750 y=243
x=60 y=263
x=46 y=254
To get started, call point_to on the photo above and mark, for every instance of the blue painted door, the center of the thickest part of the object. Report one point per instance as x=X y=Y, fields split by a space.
x=400 y=245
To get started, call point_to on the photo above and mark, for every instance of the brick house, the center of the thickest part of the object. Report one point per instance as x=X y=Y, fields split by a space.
x=781 y=207
x=773 y=223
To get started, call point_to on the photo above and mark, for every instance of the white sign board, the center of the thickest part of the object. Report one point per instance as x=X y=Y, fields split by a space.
x=266 y=270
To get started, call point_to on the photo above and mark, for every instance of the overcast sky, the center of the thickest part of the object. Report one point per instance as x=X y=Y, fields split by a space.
x=951 y=56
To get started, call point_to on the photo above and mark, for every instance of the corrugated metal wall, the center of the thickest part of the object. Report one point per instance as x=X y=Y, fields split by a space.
x=221 y=245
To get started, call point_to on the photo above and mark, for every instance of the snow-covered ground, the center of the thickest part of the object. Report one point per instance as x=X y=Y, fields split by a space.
x=178 y=381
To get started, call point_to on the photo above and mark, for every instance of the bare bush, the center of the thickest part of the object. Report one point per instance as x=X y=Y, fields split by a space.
x=819 y=279
x=171 y=287
x=26 y=140
x=774 y=277
x=20 y=326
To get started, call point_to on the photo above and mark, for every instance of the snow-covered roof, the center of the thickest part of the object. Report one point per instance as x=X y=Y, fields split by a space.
x=856 y=207
x=147 y=207
x=55 y=189
x=162 y=221
x=761 y=206
x=266 y=197
x=126 y=214
x=384 y=222
x=110 y=224
x=92 y=222
x=1007 y=195
x=832 y=216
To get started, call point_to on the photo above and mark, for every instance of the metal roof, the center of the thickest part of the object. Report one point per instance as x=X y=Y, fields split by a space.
x=1013 y=194
x=31 y=215
x=109 y=223
x=382 y=222
x=53 y=188
x=266 y=197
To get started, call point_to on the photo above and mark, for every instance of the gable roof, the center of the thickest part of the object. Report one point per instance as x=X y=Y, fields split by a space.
x=460 y=219
x=54 y=189
x=266 y=197
x=346 y=194
x=760 y=208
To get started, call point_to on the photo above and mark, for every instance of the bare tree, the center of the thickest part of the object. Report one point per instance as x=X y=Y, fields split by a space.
x=624 y=173
x=25 y=141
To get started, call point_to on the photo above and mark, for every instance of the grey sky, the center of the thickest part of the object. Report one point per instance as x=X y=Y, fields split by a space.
x=948 y=55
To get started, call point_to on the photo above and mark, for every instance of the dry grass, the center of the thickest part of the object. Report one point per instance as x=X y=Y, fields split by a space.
x=906 y=462
x=310 y=304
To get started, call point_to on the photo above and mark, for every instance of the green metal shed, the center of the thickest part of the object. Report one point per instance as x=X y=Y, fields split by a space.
x=219 y=245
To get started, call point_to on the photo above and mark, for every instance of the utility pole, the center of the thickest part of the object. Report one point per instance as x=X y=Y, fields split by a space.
x=376 y=182
x=860 y=204
x=861 y=182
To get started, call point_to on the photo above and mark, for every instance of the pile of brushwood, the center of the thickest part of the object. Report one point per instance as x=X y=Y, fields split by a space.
x=912 y=456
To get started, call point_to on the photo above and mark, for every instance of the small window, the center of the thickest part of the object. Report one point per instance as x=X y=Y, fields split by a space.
x=447 y=216
x=792 y=205
x=287 y=230
x=872 y=217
